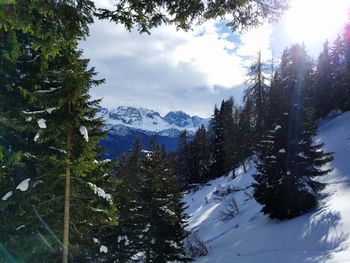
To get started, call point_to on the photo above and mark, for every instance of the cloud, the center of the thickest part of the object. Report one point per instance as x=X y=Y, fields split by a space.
x=169 y=69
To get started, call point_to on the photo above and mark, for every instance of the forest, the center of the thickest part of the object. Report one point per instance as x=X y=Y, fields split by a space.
x=62 y=202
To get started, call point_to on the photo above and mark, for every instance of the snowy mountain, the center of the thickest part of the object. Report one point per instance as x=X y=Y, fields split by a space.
x=322 y=235
x=151 y=121
x=126 y=123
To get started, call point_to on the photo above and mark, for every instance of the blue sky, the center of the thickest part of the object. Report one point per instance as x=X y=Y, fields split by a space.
x=193 y=71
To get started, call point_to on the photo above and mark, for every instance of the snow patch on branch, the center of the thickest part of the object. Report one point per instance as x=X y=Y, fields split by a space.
x=6 y=196
x=23 y=186
x=278 y=127
x=84 y=132
x=100 y=192
x=47 y=90
x=20 y=227
x=37 y=136
x=167 y=210
x=48 y=110
x=42 y=124
x=103 y=249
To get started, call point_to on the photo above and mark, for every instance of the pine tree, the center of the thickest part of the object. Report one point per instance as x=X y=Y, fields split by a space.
x=163 y=209
x=257 y=96
x=147 y=15
x=289 y=161
x=245 y=143
x=337 y=56
x=182 y=160
x=62 y=136
x=126 y=239
x=46 y=84
x=346 y=37
x=200 y=152
x=224 y=132
x=150 y=210
x=324 y=95
x=217 y=137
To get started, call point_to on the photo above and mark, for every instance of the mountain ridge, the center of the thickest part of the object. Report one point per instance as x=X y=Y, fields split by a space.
x=125 y=123
x=151 y=121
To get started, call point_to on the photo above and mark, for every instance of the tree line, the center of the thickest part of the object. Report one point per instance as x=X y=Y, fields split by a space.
x=60 y=201
x=274 y=127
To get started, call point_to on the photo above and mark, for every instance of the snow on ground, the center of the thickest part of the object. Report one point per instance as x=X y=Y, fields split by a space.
x=322 y=235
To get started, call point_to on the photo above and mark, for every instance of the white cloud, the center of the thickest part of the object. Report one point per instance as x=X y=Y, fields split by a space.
x=255 y=40
x=169 y=69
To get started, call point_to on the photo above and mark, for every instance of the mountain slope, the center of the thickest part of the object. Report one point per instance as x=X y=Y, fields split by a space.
x=124 y=124
x=322 y=235
x=151 y=121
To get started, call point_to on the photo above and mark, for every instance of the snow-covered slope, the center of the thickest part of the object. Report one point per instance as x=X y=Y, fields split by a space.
x=151 y=121
x=322 y=235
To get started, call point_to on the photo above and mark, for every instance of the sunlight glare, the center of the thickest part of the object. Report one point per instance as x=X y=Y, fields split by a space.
x=312 y=21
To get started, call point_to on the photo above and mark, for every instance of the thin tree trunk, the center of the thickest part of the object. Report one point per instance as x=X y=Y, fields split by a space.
x=67 y=193
x=260 y=93
x=244 y=167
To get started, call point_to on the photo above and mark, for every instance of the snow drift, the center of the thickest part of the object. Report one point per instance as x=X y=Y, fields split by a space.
x=322 y=235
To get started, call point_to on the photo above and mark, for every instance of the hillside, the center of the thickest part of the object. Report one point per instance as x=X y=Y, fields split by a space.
x=322 y=235
x=125 y=123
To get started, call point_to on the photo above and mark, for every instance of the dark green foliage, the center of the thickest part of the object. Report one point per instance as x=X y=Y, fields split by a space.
x=289 y=161
x=192 y=159
x=224 y=132
x=324 y=94
x=164 y=210
x=346 y=37
x=59 y=98
x=256 y=99
x=150 y=209
x=146 y=15
x=181 y=160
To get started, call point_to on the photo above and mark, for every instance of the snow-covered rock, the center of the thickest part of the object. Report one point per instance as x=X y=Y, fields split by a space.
x=322 y=235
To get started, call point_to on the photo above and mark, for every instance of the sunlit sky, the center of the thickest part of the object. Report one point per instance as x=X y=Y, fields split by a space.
x=193 y=71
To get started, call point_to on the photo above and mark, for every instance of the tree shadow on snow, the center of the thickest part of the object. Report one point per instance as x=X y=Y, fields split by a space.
x=324 y=234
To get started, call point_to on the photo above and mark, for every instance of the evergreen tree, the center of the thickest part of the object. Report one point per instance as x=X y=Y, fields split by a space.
x=217 y=137
x=182 y=160
x=163 y=209
x=224 y=131
x=61 y=132
x=150 y=210
x=126 y=239
x=346 y=37
x=257 y=97
x=337 y=55
x=245 y=143
x=147 y=15
x=324 y=95
x=201 y=146
x=288 y=159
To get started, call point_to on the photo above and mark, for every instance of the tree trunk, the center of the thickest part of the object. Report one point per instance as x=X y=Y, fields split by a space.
x=67 y=192
x=244 y=167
